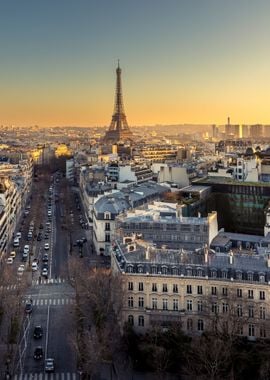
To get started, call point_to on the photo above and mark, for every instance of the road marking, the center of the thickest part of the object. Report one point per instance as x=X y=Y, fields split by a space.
x=41 y=302
x=63 y=301
x=62 y=376
x=47 y=332
x=68 y=376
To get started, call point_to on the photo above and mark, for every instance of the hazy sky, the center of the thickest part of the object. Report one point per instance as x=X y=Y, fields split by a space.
x=183 y=61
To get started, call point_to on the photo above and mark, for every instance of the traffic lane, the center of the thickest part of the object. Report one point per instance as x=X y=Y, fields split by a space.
x=60 y=248
x=61 y=329
x=38 y=318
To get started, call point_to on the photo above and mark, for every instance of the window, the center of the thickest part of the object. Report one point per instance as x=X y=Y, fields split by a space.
x=250 y=276
x=239 y=275
x=130 y=286
x=141 y=302
x=154 y=303
x=165 y=304
x=239 y=311
x=251 y=330
x=225 y=292
x=262 y=295
x=107 y=215
x=262 y=278
x=107 y=226
x=251 y=311
x=262 y=332
x=224 y=274
x=175 y=288
x=199 y=289
x=164 y=270
x=107 y=238
x=130 y=302
x=200 y=306
x=175 y=304
x=141 y=286
x=262 y=312
x=189 y=305
x=141 y=320
x=131 y=320
x=213 y=273
x=154 y=269
x=214 y=290
x=189 y=289
x=165 y=288
x=189 y=324
x=239 y=293
x=154 y=287
x=225 y=307
x=214 y=308
x=240 y=330
x=250 y=294
x=200 y=325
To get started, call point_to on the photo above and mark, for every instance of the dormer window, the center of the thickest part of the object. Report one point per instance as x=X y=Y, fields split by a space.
x=213 y=273
x=239 y=275
x=164 y=270
x=140 y=269
x=130 y=269
x=107 y=215
x=154 y=270
x=250 y=276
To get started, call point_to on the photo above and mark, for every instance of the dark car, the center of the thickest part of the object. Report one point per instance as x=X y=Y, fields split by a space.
x=38 y=353
x=45 y=266
x=38 y=332
x=39 y=237
x=28 y=307
x=83 y=239
x=45 y=258
x=46 y=236
x=41 y=226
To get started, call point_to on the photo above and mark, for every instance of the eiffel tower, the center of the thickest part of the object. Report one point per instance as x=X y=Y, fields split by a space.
x=119 y=129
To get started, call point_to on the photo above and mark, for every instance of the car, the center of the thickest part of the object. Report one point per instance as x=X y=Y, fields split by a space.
x=48 y=224
x=44 y=272
x=39 y=237
x=28 y=307
x=13 y=254
x=45 y=257
x=41 y=226
x=20 y=270
x=46 y=236
x=16 y=242
x=18 y=235
x=38 y=353
x=34 y=266
x=49 y=213
x=10 y=260
x=46 y=246
x=30 y=235
x=83 y=239
x=38 y=332
x=26 y=249
x=49 y=365
x=26 y=212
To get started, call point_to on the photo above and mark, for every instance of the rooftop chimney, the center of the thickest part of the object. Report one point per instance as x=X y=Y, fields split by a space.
x=147 y=253
x=231 y=257
x=206 y=254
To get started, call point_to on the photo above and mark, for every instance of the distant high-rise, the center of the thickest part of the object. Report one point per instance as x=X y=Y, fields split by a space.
x=119 y=129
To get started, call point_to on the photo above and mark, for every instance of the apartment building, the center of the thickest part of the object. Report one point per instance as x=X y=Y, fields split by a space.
x=199 y=290
x=163 y=224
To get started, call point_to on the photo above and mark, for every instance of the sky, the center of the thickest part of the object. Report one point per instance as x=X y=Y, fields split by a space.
x=183 y=61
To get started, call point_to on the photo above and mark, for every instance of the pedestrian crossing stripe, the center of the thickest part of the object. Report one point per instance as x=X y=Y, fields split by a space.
x=47 y=376
x=52 y=301
x=8 y=287
x=44 y=281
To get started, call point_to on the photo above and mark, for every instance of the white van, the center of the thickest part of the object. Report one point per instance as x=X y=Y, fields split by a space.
x=16 y=242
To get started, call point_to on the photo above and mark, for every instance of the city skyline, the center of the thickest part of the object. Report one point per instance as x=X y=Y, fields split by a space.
x=182 y=62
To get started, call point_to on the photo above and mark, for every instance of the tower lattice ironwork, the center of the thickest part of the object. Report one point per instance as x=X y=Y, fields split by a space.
x=119 y=129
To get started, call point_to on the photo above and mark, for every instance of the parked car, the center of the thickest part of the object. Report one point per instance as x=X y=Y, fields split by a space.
x=38 y=332
x=39 y=237
x=49 y=365
x=13 y=254
x=18 y=235
x=10 y=260
x=45 y=257
x=46 y=246
x=38 y=353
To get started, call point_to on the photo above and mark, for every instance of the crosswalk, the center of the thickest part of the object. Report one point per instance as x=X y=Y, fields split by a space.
x=53 y=301
x=47 y=376
x=44 y=281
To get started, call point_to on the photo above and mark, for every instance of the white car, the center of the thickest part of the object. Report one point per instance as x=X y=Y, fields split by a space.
x=46 y=246
x=18 y=235
x=49 y=213
x=26 y=249
x=16 y=242
x=13 y=254
x=10 y=260
x=44 y=272
x=34 y=266
x=20 y=270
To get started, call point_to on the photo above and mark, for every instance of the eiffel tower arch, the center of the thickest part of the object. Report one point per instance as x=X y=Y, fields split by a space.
x=119 y=129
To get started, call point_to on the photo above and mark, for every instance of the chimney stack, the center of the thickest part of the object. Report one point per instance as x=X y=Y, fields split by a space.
x=231 y=257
